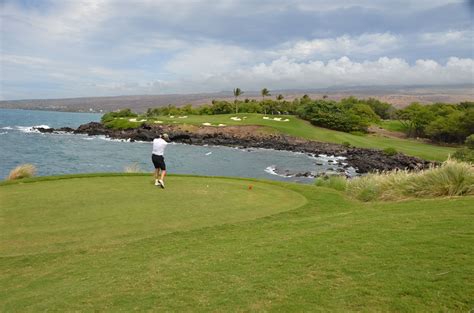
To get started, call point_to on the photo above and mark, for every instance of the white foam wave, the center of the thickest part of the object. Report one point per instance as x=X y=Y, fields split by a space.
x=7 y=128
x=272 y=171
x=31 y=129
x=113 y=139
x=3 y=133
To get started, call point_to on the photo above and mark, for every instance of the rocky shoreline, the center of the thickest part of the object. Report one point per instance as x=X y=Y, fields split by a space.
x=363 y=160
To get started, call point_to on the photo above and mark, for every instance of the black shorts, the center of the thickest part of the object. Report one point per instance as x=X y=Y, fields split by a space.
x=159 y=162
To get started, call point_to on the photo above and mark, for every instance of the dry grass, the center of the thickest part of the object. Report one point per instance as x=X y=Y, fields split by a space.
x=132 y=168
x=452 y=178
x=22 y=171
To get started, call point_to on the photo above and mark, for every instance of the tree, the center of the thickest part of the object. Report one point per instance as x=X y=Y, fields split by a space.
x=414 y=118
x=265 y=93
x=237 y=93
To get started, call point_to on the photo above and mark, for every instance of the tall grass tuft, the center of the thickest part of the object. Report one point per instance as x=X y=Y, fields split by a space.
x=332 y=181
x=132 y=168
x=22 y=171
x=452 y=178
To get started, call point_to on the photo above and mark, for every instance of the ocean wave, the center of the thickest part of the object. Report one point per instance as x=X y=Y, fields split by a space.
x=3 y=133
x=31 y=129
x=7 y=128
x=272 y=171
x=102 y=137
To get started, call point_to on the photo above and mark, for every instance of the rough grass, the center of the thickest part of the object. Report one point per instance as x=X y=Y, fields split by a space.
x=300 y=128
x=452 y=178
x=129 y=246
x=336 y=182
x=22 y=171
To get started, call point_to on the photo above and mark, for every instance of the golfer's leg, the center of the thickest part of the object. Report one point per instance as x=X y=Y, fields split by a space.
x=163 y=174
x=157 y=173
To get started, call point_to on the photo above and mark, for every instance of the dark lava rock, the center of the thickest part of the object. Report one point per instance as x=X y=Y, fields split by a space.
x=364 y=160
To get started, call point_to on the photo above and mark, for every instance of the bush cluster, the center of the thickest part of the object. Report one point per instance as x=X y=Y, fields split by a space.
x=439 y=122
x=22 y=171
x=452 y=178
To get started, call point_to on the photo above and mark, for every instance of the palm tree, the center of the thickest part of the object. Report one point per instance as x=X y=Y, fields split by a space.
x=265 y=92
x=279 y=98
x=237 y=93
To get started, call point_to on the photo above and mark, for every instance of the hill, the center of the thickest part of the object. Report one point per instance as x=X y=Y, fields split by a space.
x=399 y=96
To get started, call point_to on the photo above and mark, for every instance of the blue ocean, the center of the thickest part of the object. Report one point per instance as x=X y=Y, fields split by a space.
x=55 y=154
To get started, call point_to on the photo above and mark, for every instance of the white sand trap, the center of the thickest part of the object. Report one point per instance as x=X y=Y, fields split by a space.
x=132 y=120
x=235 y=118
x=286 y=120
x=142 y=120
x=244 y=117
x=220 y=125
x=182 y=116
x=171 y=116
x=277 y=119
x=158 y=122
x=266 y=118
x=206 y=124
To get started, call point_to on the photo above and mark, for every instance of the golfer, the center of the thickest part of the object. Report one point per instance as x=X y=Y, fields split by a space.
x=159 y=145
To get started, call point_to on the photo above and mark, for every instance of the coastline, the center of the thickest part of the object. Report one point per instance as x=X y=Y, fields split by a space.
x=362 y=159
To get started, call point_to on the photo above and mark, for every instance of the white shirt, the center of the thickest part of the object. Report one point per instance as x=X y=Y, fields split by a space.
x=159 y=146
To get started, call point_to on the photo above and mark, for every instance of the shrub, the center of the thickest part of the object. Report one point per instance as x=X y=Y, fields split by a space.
x=452 y=178
x=470 y=141
x=332 y=181
x=390 y=151
x=346 y=144
x=22 y=171
x=464 y=154
x=132 y=168
x=122 y=124
x=107 y=117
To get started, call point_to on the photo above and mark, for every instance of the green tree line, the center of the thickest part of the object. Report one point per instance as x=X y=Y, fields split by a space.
x=439 y=122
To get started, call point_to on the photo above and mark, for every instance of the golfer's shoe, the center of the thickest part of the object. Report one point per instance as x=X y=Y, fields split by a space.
x=157 y=183
x=162 y=184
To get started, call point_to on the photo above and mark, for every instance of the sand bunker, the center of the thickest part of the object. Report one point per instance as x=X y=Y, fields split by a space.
x=277 y=119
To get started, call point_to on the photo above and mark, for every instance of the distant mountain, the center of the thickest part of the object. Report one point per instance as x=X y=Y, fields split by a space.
x=399 y=96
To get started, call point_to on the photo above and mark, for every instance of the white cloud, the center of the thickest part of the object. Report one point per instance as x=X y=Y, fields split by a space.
x=208 y=60
x=285 y=73
x=448 y=37
x=366 y=44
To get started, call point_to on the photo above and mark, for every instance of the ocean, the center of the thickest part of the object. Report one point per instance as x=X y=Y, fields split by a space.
x=55 y=154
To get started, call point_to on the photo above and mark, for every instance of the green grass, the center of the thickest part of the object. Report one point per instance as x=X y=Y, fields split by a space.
x=392 y=125
x=118 y=243
x=300 y=128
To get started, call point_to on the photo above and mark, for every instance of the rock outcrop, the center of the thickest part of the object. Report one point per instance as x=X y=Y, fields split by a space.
x=364 y=160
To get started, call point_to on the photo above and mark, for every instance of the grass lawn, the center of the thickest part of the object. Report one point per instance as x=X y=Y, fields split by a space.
x=118 y=243
x=392 y=125
x=300 y=128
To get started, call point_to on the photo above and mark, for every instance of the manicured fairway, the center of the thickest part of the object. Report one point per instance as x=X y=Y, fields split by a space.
x=300 y=128
x=78 y=213
x=121 y=244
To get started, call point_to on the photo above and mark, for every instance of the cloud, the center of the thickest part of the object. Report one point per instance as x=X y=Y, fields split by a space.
x=285 y=73
x=57 y=48
x=365 y=44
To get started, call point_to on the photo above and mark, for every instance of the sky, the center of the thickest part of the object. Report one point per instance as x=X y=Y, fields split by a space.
x=82 y=48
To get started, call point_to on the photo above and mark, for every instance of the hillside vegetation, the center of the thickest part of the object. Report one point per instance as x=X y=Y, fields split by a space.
x=207 y=244
x=298 y=128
